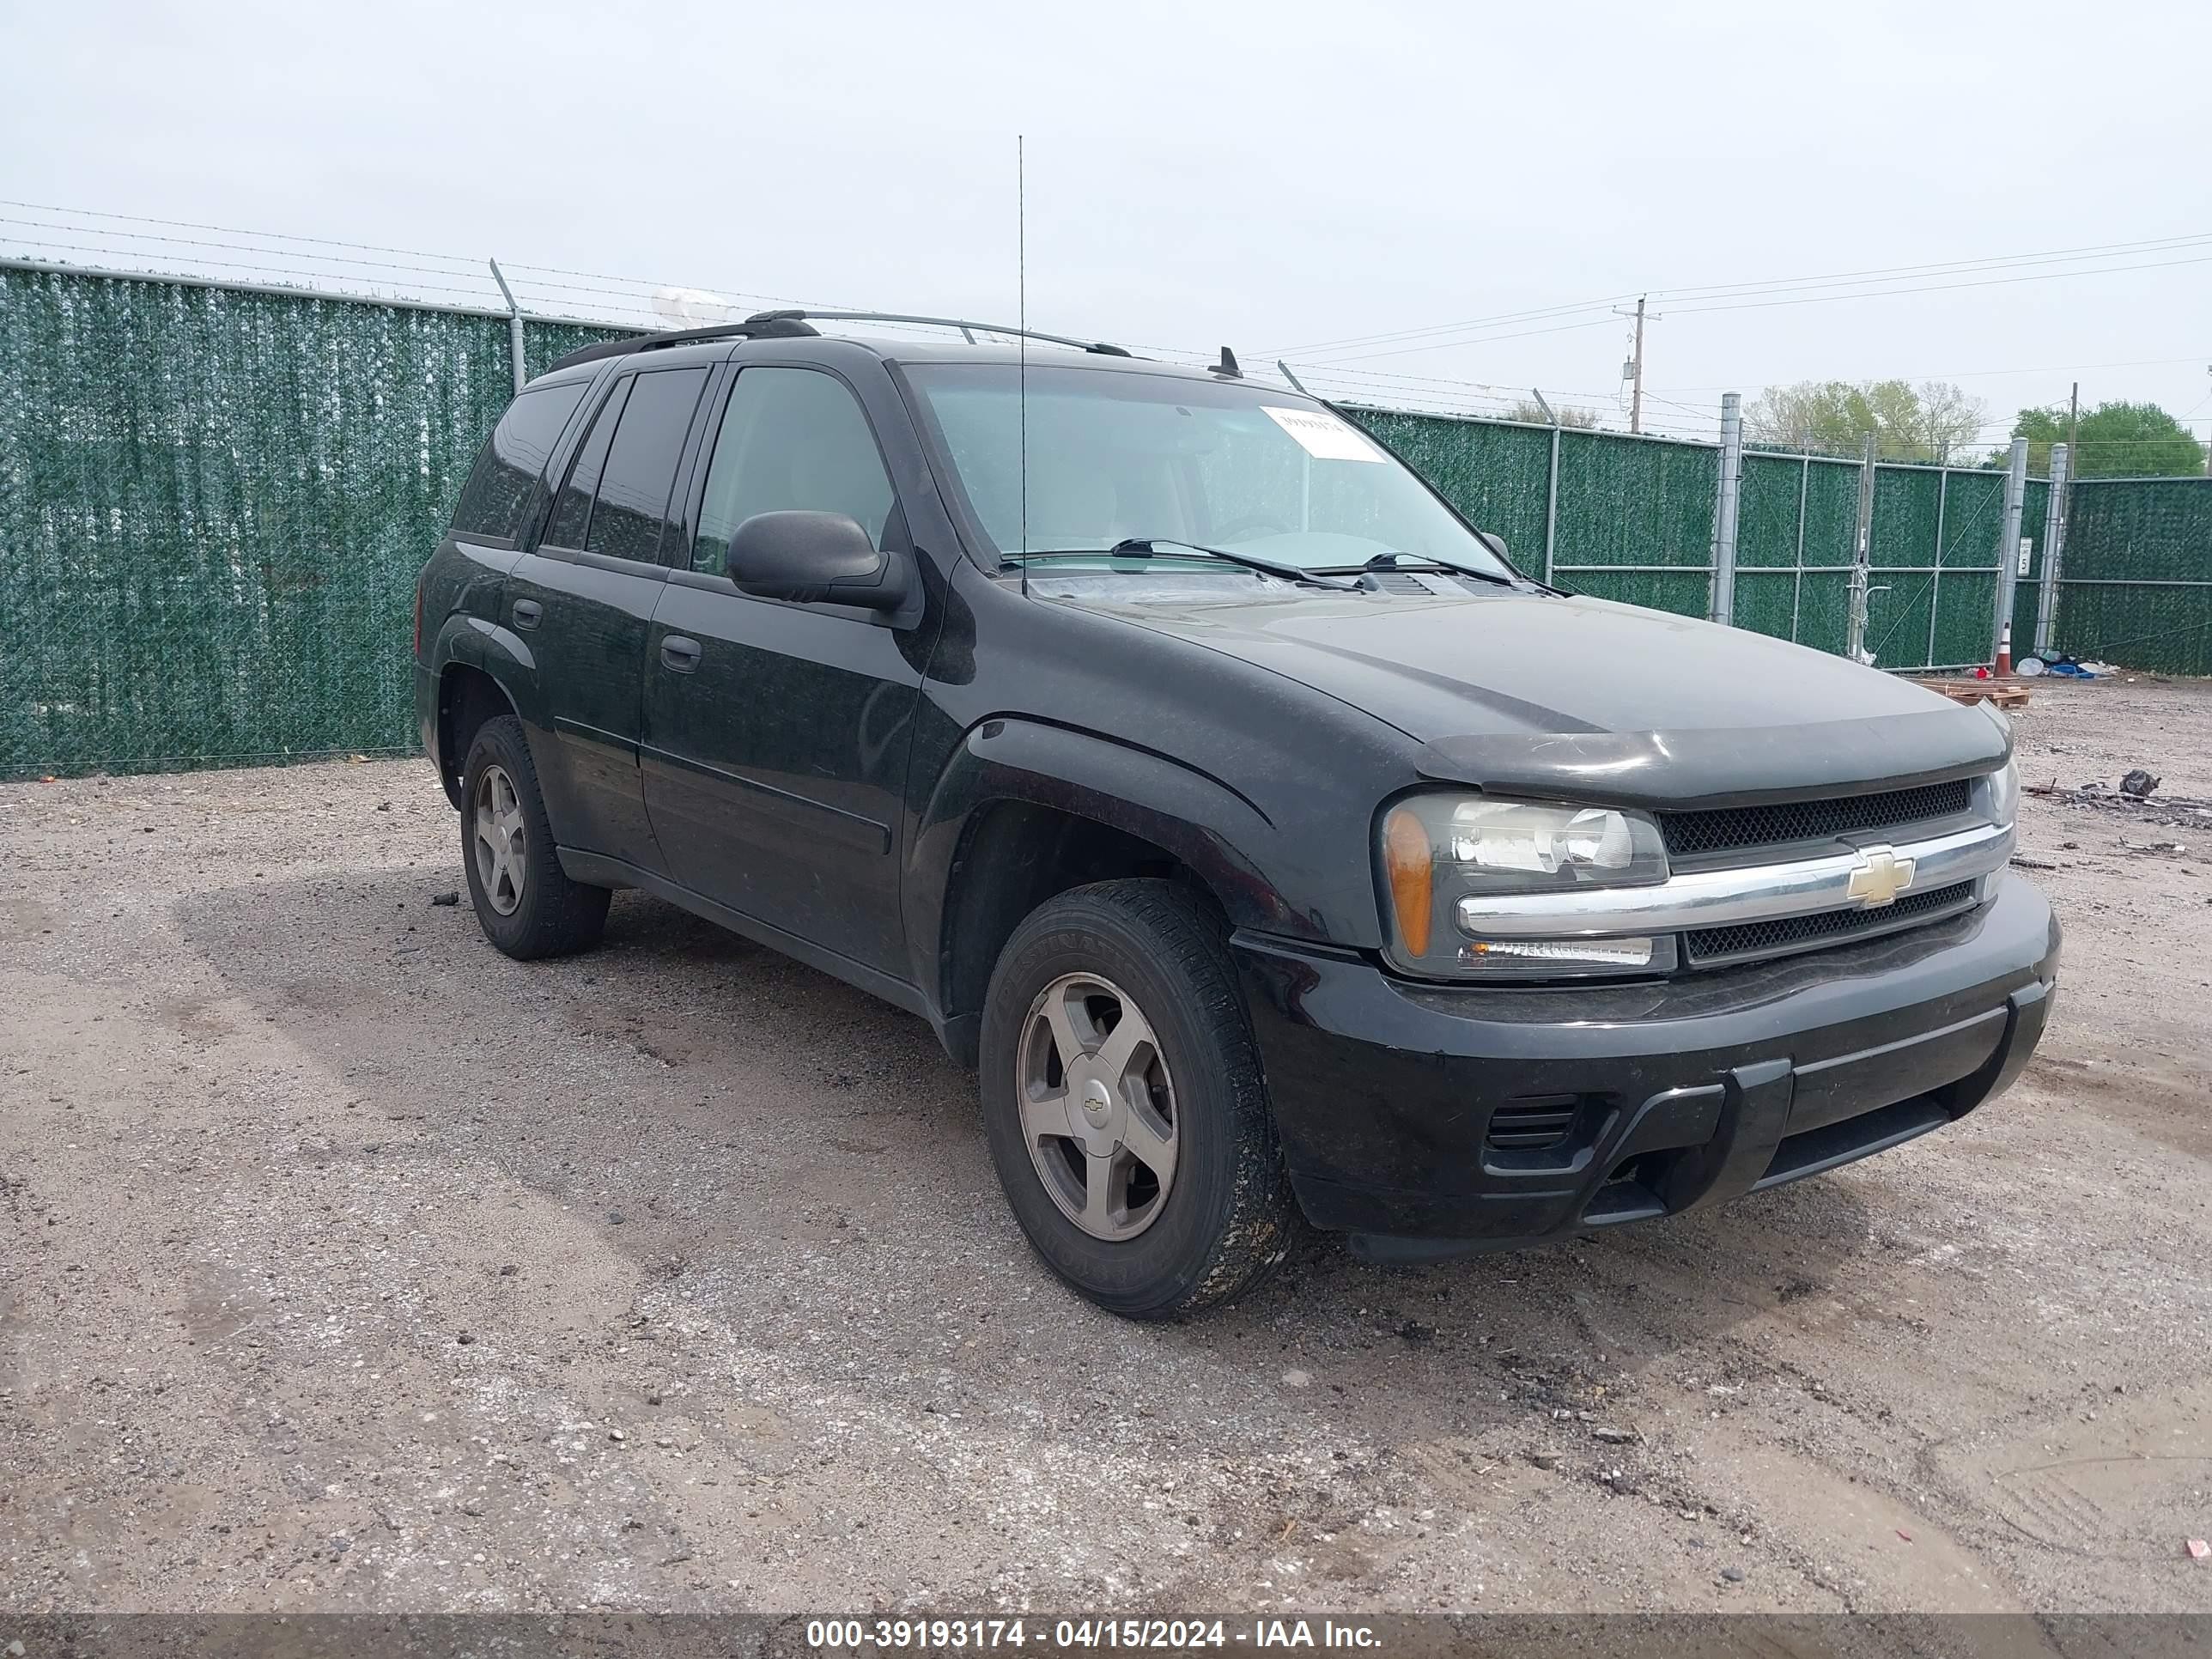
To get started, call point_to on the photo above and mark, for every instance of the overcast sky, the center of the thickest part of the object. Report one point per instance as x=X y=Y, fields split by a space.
x=1271 y=175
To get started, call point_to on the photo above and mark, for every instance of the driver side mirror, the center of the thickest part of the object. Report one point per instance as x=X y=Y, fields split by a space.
x=1495 y=542
x=815 y=558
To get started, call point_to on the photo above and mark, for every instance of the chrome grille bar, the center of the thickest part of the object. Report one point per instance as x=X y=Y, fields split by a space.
x=1719 y=898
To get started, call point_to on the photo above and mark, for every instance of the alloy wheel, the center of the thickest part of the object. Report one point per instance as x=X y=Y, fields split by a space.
x=1097 y=1106
x=499 y=841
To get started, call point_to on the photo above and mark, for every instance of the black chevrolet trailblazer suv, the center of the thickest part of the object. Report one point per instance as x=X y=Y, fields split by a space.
x=1266 y=841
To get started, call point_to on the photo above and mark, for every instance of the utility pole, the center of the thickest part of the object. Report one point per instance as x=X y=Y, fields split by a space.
x=1635 y=369
x=1635 y=397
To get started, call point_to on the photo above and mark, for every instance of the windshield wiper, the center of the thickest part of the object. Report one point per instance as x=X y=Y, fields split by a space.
x=1143 y=547
x=1396 y=562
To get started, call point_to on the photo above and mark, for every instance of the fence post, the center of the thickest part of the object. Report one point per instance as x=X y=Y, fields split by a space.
x=1861 y=555
x=1551 y=486
x=1723 y=598
x=1552 y=506
x=2054 y=550
x=1935 y=577
x=2015 y=498
x=1797 y=581
x=515 y=341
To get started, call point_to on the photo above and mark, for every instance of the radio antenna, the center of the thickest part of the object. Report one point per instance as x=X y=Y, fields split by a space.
x=1022 y=339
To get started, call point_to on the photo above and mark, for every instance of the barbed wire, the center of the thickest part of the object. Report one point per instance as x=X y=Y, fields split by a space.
x=133 y=243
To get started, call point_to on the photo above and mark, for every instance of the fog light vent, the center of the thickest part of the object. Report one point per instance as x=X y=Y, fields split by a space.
x=1533 y=1123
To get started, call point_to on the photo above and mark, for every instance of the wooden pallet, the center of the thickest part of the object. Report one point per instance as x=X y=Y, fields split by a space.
x=2006 y=693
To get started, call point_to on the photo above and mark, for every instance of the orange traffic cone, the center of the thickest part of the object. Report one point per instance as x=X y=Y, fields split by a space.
x=2004 y=652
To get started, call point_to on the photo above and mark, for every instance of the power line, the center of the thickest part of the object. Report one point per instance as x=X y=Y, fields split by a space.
x=1775 y=285
x=1800 y=299
x=1987 y=373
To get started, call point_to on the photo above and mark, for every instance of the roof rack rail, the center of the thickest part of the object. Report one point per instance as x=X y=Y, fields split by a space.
x=771 y=324
x=967 y=329
x=791 y=325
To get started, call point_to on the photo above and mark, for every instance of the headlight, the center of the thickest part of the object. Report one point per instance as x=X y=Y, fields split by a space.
x=1442 y=855
x=2004 y=793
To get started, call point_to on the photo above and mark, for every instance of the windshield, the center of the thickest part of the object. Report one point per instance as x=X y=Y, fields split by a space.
x=1117 y=455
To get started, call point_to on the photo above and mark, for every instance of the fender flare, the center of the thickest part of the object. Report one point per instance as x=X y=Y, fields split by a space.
x=1205 y=823
x=501 y=654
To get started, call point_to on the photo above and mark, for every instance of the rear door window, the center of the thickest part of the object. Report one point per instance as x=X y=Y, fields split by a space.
x=615 y=500
x=495 y=502
x=633 y=503
x=572 y=508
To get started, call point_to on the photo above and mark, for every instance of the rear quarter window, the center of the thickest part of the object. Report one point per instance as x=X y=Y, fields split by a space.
x=496 y=501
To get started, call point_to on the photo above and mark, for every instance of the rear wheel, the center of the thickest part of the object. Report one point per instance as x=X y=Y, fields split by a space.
x=525 y=901
x=1124 y=1103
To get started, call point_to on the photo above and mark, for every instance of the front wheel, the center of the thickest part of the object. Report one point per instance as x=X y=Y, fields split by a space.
x=1124 y=1105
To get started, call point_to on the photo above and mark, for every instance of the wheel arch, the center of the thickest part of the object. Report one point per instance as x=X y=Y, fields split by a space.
x=483 y=672
x=1025 y=811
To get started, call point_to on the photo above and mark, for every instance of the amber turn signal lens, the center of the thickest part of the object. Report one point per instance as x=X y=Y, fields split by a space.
x=1410 y=863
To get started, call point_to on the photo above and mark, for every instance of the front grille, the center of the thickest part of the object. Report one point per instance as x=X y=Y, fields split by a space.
x=1533 y=1123
x=1707 y=945
x=1727 y=829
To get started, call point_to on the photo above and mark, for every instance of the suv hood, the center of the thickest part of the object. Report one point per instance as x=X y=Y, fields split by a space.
x=1578 y=697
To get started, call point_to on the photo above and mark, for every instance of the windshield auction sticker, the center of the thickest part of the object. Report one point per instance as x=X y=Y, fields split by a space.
x=1323 y=436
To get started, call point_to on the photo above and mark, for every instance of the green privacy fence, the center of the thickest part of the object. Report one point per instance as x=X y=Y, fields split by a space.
x=214 y=501
x=1634 y=518
x=213 y=504
x=2135 y=582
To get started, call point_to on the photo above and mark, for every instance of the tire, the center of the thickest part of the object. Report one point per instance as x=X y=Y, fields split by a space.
x=525 y=901
x=1149 y=1248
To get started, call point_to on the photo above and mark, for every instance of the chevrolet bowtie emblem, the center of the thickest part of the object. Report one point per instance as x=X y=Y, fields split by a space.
x=1880 y=878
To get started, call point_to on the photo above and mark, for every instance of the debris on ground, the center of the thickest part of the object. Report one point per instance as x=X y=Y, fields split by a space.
x=1972 y=691
x=2198 y=1549
x=2021 y=861
x=2152 y=848
x=2175 y=812
x=447 y=897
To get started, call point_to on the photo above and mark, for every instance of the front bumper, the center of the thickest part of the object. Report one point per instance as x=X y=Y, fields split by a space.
x=1678 y=1094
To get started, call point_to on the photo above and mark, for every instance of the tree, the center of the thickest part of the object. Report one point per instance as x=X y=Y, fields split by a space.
x=2114 y=440
x=1932 y=422
x=1533 y=413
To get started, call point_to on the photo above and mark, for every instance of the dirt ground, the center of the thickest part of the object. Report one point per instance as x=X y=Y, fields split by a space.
x=349 y=1265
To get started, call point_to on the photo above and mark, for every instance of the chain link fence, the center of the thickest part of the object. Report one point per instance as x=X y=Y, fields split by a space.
x=2134 y=579
x=213 y=505
x=214 y=501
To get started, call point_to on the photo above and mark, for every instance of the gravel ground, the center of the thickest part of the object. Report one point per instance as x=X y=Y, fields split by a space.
x=349 y=1265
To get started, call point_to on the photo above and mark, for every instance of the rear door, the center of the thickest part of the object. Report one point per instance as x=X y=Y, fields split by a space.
x=584 y=600
x=776 y=733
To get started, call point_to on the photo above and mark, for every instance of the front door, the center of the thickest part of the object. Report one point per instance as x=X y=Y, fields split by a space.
x=776 y=734
x=585 y=599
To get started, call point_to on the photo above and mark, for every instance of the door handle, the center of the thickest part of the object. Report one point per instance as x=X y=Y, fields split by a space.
x=527 y=612
x=679 y=654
